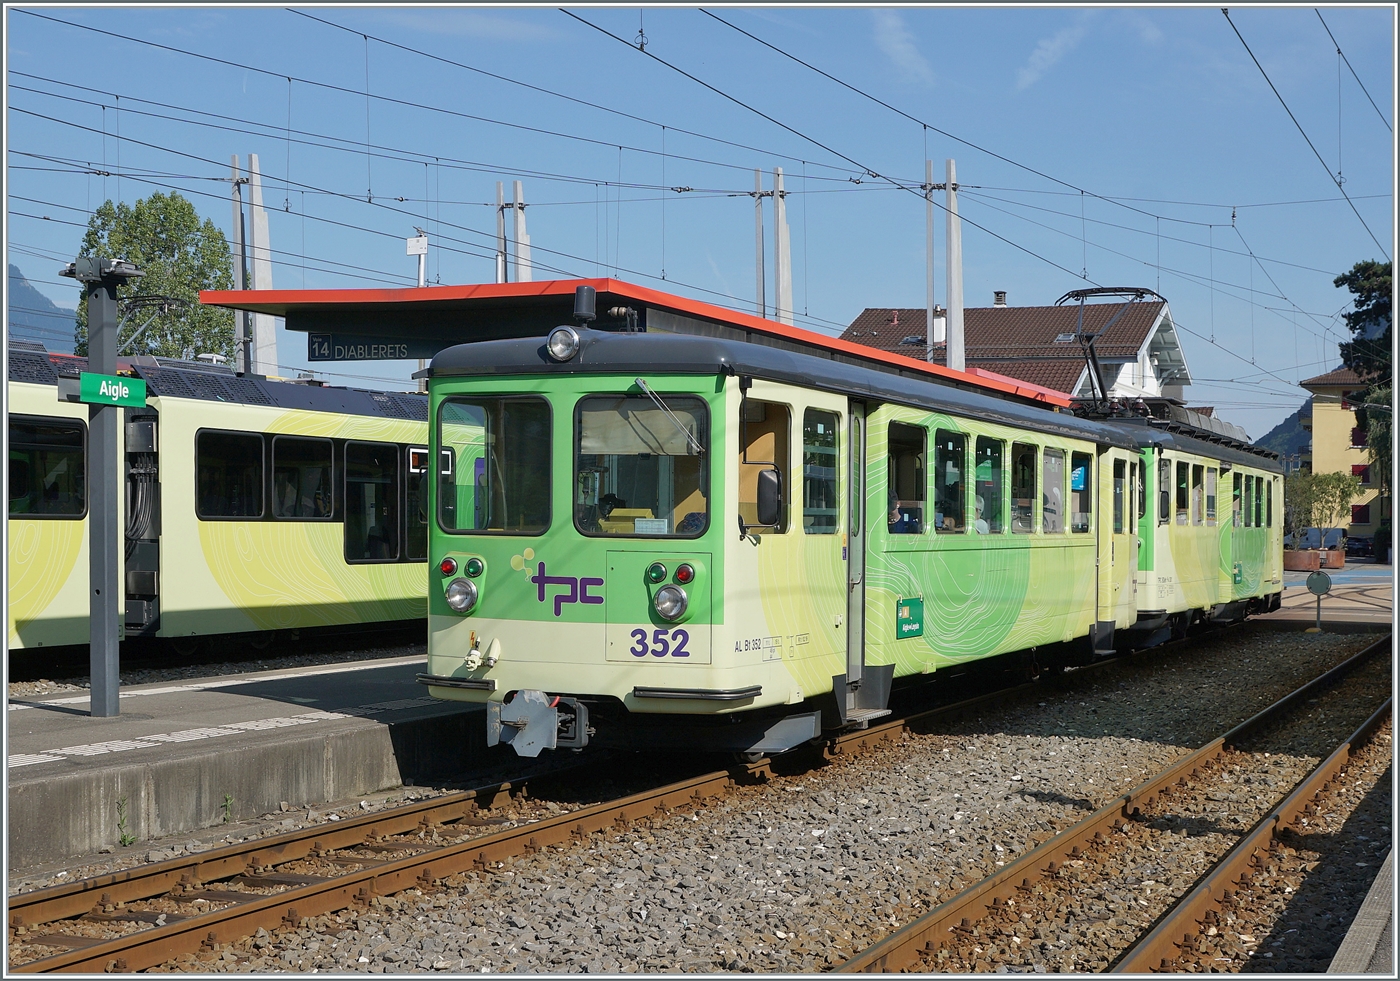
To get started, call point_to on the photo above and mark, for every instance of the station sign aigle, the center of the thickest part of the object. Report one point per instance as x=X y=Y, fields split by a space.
x=98 y=389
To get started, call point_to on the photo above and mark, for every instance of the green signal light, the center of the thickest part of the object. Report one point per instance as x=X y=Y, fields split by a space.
x=656 y=572
x=475 y=567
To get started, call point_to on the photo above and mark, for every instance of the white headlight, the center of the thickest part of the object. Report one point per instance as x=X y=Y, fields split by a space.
x=670 y=602
x=563 y=343
x=461 y=595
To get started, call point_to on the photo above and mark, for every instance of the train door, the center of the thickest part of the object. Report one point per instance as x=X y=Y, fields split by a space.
x=855 y=554
x=1118 y=557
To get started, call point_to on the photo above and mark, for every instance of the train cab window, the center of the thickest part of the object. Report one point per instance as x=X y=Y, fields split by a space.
x=1052 y=497
x=1248 y=506
x=1120 y=490
x=1235 y=508
x=1212 y=476
x=1023 y=457
x=494 y=471
x=1141 y=482
x=1081 y=492
x=1269 y=500
x=820 y=509
x=987 y=487
x=905 y=469
x=1183 y=493
x=641 y=469
x=1164 y=491
x=415 y=504
x=230 y=474
x=301 y=478
x=47 y=468
x=371 y=502
x=1198 y=495
x=949 y=490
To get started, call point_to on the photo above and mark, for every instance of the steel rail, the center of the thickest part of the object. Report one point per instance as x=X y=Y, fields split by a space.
x=905 y=946
x=187 y=875
x=1176 y=933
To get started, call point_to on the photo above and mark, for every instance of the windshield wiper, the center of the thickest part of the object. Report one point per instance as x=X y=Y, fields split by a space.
x=689 y=436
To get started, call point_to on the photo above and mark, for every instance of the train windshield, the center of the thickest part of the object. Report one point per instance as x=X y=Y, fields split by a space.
x=494 y=471
x=641 y=469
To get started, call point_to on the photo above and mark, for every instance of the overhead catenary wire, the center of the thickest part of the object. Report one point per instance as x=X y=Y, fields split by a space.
x=1333 y=178
x=1344 y=58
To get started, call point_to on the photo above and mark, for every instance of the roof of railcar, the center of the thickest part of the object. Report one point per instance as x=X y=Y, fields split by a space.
x=606 y=352
x=491 y=311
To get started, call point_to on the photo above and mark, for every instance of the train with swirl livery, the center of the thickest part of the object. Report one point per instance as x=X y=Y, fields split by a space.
x=253 y=505
x=664 y=539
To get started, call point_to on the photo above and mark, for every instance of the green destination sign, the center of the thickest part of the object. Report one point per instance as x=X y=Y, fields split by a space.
x=111 y=390
x=909 y=618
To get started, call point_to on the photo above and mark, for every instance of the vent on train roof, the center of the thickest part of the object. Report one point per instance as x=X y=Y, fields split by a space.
x=19 y=344
x=246 y=390
x=401 y=406
x=31 y=366
x=181 y=364
x=163 y=381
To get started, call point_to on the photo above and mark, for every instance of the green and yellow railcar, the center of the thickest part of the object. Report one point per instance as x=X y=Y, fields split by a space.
x=678 y=541
x=252 y=505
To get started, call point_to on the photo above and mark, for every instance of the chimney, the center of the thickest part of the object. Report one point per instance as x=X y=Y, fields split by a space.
x=998 y=298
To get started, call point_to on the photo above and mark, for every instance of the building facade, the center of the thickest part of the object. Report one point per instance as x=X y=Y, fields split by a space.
x=1339 y=444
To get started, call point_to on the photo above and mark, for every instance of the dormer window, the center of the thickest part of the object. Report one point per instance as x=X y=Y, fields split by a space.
x=1064 y=338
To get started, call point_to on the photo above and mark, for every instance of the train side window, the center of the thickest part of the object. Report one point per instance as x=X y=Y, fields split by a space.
x=301 y=478
x=1269 y=497
x=950 y=492
x=1164 y=491
x=987 y=484
x=371 y=502
x=1023 y=488
x=1081 y=492
x=495 y=468
x=230 y=469
x=1120 y=484
x=47 y=467
x=1198 y=495
x=908 y=449
x=765 y=431
x=820 y=455
x=1134 y=496
x=1248 y=507
x=1235 y=501
x=1052 y=498
x=1183 y=493
x=1140 y=479
x=415 y=504
x=1259 y=502
x=1211 y=479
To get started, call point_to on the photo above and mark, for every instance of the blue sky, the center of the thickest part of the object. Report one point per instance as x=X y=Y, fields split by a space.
x=1160 y=110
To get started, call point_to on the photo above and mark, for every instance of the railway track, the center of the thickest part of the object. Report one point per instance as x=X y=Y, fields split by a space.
x=983 y=914
x=193 y=904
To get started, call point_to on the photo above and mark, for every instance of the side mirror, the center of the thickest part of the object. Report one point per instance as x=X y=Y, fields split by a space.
x=770 y=498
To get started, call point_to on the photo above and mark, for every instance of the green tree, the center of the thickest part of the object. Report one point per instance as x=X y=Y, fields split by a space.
x=1368 y=353
x=1299 y=500
x=1334 y=494
x=180 y=255
x=1377 y=423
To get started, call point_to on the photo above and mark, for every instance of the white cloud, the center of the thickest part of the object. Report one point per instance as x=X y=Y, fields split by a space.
x=894 y=39
x=1047 y=54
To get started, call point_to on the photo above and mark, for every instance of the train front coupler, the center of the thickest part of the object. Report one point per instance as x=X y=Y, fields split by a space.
x=532 y=721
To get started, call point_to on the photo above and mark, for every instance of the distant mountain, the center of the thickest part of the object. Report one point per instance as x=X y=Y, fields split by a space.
x=1289 y=436
x=34 y=317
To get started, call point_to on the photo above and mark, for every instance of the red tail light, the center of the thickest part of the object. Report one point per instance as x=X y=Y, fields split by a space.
x=448 y=566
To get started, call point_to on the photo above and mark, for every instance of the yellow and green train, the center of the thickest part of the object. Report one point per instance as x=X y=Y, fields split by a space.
x=670 y=541
x=252 y=505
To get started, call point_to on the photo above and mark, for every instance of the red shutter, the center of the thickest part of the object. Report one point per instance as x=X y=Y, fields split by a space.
x=1361 y=514
x=1358 y=436
x=1361 y=470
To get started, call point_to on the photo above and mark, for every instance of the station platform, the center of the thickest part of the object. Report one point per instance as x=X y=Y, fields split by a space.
x=1363 y=592
x=190 y=755
x=1369 y=946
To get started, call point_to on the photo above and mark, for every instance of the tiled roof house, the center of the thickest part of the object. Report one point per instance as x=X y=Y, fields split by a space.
x=1140 y=354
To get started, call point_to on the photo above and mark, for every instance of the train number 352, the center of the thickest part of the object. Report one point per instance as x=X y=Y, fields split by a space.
x=661 y=643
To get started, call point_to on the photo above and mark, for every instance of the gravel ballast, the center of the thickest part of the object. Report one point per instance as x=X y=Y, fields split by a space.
x=799 y=874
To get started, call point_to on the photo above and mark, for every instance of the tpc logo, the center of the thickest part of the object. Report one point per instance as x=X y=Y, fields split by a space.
x=577 y=589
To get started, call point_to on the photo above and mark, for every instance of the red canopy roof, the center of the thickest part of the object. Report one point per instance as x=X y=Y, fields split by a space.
x=440 y=309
